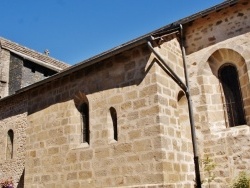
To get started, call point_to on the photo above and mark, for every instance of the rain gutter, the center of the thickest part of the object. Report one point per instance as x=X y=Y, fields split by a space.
x=142 y=40
x=126 y=46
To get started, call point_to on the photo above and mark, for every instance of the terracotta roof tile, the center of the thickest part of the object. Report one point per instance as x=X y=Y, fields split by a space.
x=14 y=47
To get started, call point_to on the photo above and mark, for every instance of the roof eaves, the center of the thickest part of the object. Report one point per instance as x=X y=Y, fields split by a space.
x=130 y=44
x=200 y=14
x=39 y=62
x=24 y=51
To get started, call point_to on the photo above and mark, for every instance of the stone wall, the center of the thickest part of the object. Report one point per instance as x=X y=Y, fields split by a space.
x=13 y=117
x=213 y=41
x=15 y=79
x=153 y=146
x=219 y=26
x=4 y=71
x=174 y=120
x=220 y=142
x=23 y=72
x=56 y=155
x=32 y=73
x=149 y=149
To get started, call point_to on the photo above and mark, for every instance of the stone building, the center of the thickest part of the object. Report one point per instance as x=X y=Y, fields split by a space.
x=21 y=67
x=121 y=118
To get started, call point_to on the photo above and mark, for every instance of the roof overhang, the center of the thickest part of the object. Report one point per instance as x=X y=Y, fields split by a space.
x=42 y=63
x=131 y=44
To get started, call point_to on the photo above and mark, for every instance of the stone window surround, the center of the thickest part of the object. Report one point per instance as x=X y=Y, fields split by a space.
x=224 y=56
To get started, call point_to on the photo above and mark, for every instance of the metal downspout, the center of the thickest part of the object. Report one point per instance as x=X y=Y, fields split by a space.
x=185 y=88
x=172 y=73
x=191 y=116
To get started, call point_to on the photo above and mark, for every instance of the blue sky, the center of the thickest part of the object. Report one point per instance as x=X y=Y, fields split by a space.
x=74 y=30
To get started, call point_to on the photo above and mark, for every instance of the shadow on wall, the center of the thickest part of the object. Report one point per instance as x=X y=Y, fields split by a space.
x=125 y=69
x=13 y=106
x=21 y=180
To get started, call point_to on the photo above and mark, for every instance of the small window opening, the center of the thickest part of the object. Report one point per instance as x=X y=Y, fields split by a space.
x=10 y=143
x=33 y=69
x=229 y=79
x=84 y=110
x=180 y=95
x=114 y=122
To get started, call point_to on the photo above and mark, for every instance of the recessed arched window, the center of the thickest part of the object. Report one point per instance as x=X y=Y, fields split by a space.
x=10 y=144
x=113 y=115
x=84 y=110
x=83 y=128
x=229 y=79
x=180 y=95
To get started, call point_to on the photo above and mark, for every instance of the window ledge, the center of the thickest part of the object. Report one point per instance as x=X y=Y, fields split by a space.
x=82 y=145
x=234 y=131
x=112 y=141
x=239 y=127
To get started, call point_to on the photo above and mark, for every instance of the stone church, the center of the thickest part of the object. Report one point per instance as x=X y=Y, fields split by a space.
x=143 y=114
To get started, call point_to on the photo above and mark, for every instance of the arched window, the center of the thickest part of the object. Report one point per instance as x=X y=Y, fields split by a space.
x=84 y=110
x=229 y=79
x=10 y=143
x=181 y=94
x=113 y=115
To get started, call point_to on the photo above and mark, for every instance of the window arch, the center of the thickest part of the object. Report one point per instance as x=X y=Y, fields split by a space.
x=229 y=79
x=180 y=95
x=82 y=105
x=218 y=60
x=84 y=110
x=10 y=144
x=113 y=115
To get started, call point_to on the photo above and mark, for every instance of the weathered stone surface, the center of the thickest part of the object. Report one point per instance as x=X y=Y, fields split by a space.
x=152 y=145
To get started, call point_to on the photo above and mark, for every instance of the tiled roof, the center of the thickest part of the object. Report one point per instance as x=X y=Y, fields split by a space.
x=33 y=55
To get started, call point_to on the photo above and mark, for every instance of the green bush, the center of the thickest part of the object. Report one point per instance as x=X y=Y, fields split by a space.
x=208 y=167
x=242 y=181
